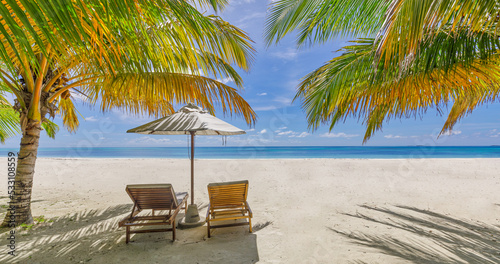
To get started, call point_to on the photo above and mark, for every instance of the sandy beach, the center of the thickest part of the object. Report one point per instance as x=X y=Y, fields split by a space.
x=305 y=211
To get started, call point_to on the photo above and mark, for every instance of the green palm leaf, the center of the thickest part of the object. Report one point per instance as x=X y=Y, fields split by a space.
x=50 y=128
x=426 y=54
x=9 y=122
x=349 y=85
x=321 y=20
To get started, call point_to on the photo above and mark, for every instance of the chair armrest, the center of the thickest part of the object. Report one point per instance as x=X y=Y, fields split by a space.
x=130 y=216
x=208 y=212
x=122 y=222
x=181 y=203
x=249 y=210
x=176 y=211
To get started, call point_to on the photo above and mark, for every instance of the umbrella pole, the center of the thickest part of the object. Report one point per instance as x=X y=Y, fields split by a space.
x=192 y=166
x=192 y=217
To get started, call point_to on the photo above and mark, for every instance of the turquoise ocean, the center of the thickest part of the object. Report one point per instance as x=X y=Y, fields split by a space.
x=250 y=152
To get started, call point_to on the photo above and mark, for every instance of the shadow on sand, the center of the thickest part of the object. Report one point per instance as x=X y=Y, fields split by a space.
x=429 y=237
x=93 y=236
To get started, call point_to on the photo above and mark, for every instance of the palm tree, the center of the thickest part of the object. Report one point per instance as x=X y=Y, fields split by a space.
x=139 y=56
x=407 y=56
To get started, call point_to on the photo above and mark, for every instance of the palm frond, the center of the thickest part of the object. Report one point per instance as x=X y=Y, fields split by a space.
x=9 y=122
x=154 y=93
x=425 y=54
x=410 y=22
x=9 y=118
x=66 y=109
x=99 y=29
x=349 y=85
x=211 y=50
x=321 y=20
x=215 y=4
x=50 y=128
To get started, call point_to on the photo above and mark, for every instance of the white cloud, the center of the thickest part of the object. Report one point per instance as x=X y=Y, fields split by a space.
x=239 y=2
x=91 y=119
x=452 y=132
x=261 y=94
x=394 y=136
x=151 y=140
x=493 y=133
x=249 y=141
x=338 y=135
x=280 y=129
x=250 y=130
x=263 y=131
x=287 y=54
x=291 y=134
x=225 y=80
x=284 y=133
x=265 y=108
x=302 y=135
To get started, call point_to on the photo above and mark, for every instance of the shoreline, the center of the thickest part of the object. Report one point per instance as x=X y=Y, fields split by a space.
x=260 y=159
x=282 y=152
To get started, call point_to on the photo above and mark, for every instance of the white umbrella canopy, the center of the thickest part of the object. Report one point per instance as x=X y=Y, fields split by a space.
x=189 y=120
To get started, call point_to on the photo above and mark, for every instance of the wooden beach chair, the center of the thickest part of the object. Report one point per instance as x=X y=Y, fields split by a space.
x=228 y=201
x=163 y=202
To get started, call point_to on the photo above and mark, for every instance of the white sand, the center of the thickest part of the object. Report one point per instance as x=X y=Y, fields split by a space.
x=305 y=211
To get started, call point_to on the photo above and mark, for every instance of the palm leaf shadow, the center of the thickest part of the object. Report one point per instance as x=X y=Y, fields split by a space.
x=259 y=226
x=438 y=238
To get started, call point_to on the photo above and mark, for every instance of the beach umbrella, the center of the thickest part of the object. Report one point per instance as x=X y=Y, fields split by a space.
x=189 y=120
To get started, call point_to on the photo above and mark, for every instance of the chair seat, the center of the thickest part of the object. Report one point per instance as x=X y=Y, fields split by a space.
x=163 y=202
x=228 y=202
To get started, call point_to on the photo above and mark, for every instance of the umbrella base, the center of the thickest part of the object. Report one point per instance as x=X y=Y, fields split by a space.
x=192 y=218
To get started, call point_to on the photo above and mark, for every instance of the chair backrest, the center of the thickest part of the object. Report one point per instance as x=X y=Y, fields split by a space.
x=228 y=193
x=153 y=196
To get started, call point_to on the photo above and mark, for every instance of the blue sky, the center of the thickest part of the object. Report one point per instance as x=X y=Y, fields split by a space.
x=269 y=88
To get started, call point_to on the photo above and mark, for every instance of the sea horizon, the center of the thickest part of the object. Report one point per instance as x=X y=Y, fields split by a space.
x=272 y=152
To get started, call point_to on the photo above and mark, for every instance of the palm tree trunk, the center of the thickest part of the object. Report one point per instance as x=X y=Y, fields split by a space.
x=21 y=200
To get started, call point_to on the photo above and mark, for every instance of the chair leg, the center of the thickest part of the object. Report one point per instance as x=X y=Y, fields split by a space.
x=127 y=236
x=173 y=230
x=208 y=228
x=250 y=223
